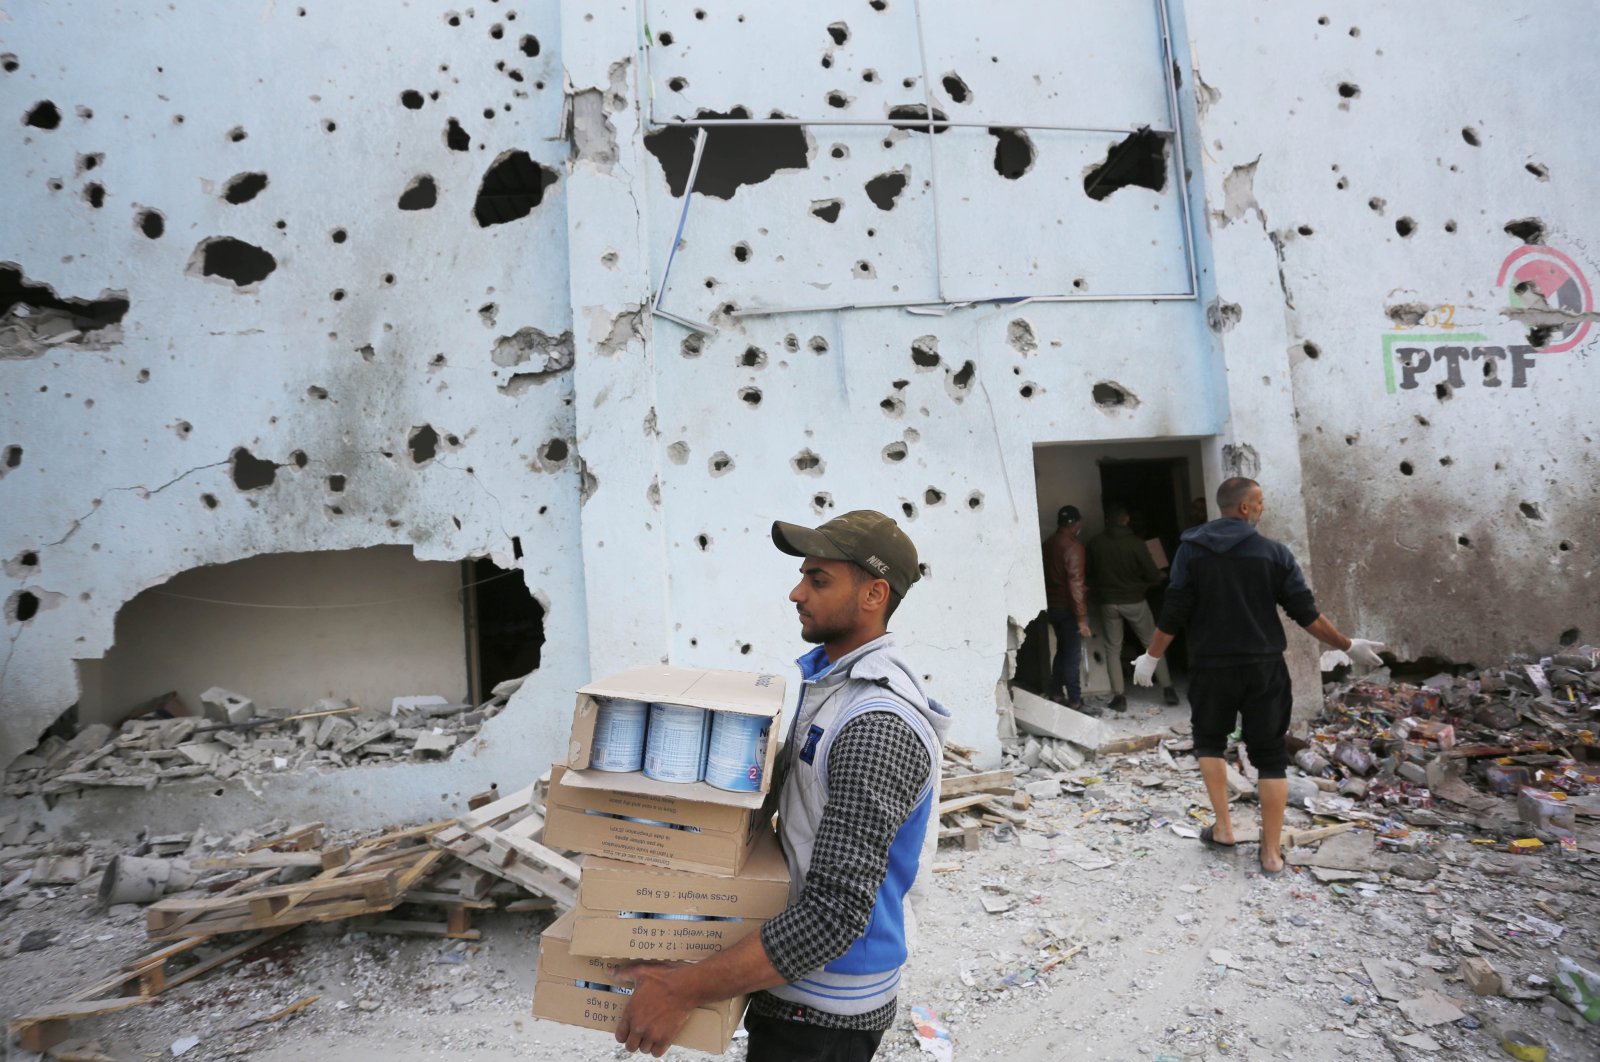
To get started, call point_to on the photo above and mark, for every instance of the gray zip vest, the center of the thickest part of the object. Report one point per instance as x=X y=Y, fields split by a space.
x=873 y=678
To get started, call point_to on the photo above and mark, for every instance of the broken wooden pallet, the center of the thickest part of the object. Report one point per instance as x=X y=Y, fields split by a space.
x=499 y=838
x=372 y=880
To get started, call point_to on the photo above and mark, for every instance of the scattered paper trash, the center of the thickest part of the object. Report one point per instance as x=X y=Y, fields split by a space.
x=184 y=1044
x=1579 y=987
x=932 y=1035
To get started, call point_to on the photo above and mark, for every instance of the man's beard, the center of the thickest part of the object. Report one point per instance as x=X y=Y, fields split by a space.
x=820 y=633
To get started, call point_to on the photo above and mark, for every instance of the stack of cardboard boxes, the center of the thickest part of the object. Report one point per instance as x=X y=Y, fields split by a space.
x=672 y=871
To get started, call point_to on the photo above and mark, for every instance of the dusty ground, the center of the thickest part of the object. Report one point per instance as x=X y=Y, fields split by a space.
x=1167 y=951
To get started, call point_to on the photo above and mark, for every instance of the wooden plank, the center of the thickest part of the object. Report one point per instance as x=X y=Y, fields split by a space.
x=953 y=785
x=547 y=857
x=947 y=807
x=226 y=957
x=255 y=860
x=294 y=835
x=1300 y=838
x=76 y=1008
x=402 y=927
x=532 y=903
x=489 y=813
x=446 y=899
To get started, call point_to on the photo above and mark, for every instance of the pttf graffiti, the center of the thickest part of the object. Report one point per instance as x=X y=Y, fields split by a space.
x=1546 y=293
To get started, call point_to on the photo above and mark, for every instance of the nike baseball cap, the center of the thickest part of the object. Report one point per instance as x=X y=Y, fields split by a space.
x=863 y=537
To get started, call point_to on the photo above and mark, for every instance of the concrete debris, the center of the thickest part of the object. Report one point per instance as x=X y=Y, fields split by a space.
x=238 y=738
x=225 y=706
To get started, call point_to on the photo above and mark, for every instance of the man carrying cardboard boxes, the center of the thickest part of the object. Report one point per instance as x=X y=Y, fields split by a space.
x=857 y=785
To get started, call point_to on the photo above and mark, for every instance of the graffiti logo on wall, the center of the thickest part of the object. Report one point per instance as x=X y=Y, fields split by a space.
x=1532 y=278
x=1544 y=278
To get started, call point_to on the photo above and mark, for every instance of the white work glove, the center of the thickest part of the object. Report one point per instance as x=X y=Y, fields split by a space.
x=1362 y=655
x=1144 y=670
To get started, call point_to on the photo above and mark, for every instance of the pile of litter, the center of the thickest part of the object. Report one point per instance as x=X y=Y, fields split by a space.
x=1507 y=752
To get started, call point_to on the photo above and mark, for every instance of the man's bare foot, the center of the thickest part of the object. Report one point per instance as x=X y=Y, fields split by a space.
x=1271 y=862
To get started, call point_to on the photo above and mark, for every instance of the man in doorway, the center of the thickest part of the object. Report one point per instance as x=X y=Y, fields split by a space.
x=1228 y=582
x=1121 y=572
x=1066 y=598
x=857 y=783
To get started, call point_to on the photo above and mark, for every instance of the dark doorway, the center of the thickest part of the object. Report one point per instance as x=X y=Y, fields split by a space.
x=1156 y=492
x=505 y=626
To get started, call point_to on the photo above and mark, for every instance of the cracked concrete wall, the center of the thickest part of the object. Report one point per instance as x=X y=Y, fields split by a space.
x=1393 y=224
x=376 y=319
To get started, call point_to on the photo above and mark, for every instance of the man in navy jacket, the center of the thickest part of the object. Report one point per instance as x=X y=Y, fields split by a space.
x=1228 y=582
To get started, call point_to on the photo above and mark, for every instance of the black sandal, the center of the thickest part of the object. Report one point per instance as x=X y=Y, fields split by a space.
x=1208 y=838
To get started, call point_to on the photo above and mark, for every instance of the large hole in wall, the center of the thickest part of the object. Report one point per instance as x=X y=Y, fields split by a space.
x=733 y=156
x=33 y=317
x=344 y=632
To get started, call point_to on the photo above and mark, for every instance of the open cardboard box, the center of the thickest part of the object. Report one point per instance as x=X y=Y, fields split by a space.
x=745 y=692
x=558 y=996
x=717 y=838
x=613 y=887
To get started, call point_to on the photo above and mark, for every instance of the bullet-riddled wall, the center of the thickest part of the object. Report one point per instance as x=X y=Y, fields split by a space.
x=250 y=256
x=1410 y=216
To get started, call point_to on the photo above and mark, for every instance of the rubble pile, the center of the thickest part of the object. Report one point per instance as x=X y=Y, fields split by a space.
x=220 y=898
x=1509 y=752
x=236 y=737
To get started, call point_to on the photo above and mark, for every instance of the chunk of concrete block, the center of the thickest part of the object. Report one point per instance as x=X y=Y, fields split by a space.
x=335 y=729
x=508 y=687
x=1036 y=715
x=225 y=706
x=431 y=744
x=367 y=733
x=175 y=732
x=1481 y=976
x=205 y=753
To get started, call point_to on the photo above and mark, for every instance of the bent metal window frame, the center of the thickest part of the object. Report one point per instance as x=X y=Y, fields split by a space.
x=1173 y=132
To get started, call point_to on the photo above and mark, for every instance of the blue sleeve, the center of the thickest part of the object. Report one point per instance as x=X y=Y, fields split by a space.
x=1180 y=592
x=1294 y=595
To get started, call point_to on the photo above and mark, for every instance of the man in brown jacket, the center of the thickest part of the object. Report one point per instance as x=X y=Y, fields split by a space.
x=1066 y=597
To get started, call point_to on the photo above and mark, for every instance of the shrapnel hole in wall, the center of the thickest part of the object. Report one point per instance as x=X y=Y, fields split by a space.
x=421 y=194
x=423 y=442
x=1528 y=230
x=1140 y=160
x=151 y=222
x=455 y=137
x=807 y=462
x=512 y=186
x=914 y=117
x=1013 y=152
x=232 y=259
x=251 y=472
x=734 y=156
x=243 y=187
x=22 y=607
x=43 y=115
x=827 y=209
